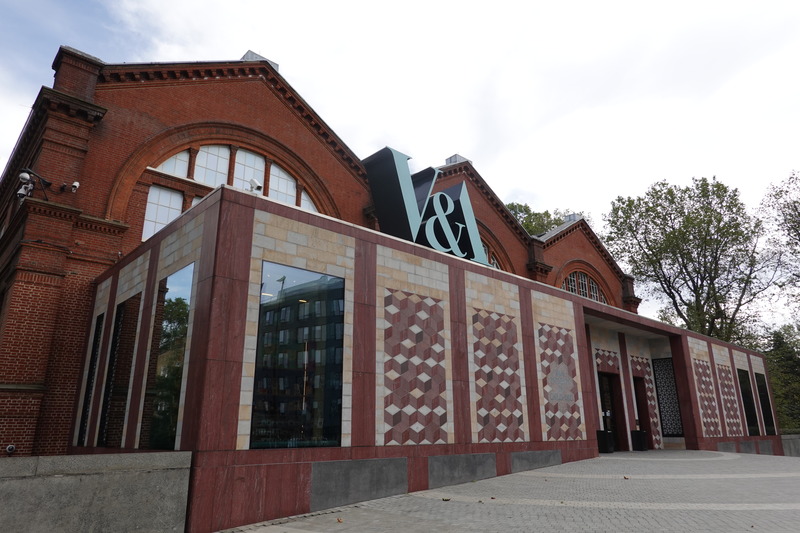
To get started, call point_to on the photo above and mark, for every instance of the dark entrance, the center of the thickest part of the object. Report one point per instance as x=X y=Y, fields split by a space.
x=640 y=390
x=613 y=409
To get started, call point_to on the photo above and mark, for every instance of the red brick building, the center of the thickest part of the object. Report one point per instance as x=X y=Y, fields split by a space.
x=204 y=271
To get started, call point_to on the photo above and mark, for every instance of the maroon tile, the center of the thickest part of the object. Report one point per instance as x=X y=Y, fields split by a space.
x=363 y=411
x=417 y=474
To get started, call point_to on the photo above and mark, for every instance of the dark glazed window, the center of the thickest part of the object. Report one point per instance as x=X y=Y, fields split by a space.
x=766 y=407
x=118 y=373
x=165 y=369
x=87 y=395
x=749 y=403
x=297 y=394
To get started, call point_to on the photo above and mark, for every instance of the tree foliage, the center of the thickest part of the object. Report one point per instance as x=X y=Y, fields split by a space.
x=783 y=364
x=698 y=250
x=538 y=222
x=783 y=204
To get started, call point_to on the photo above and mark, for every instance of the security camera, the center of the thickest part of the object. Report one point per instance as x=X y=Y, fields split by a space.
x=75 y=186
x=24 y=177
x=25 y=190
x=255 y=185
x=10 y=449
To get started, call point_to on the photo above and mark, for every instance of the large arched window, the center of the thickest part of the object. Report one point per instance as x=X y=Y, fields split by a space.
x=582 y=284
x=211 y=165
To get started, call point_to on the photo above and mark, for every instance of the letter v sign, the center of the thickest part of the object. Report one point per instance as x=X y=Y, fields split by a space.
x=443 y=221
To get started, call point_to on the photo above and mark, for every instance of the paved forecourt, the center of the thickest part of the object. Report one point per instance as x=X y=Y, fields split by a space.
x=666 y=490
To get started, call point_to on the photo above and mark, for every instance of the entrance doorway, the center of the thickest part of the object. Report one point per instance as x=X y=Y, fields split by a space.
x=640 y=390
x=613 y=409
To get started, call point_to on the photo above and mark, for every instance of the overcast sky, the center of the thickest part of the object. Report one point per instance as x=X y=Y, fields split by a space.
x=557 y=104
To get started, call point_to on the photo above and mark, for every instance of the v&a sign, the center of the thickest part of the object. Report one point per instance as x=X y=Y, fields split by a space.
x=406 y=208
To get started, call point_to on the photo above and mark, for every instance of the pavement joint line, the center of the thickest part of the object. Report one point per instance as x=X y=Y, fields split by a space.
x=717 y=456
x=613 y=505
x=628 y=476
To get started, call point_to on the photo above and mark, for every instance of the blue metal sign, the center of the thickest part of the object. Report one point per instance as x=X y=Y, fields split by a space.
x=443 y=220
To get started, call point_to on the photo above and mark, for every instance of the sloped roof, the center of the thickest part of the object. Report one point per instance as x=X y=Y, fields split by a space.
x=579 y=224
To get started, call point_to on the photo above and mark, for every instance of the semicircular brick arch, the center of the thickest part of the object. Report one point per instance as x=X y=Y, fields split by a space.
x=182 y=137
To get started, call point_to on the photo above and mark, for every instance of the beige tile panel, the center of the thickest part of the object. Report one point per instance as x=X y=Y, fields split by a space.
x=758 y=363
x=740 y=360
x=721 y=355
x=552 y=310
x=132 y=278
x=698 y=349
x=638 y=346
x=604 y=339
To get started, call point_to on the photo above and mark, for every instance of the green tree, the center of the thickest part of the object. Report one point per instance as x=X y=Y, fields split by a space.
x=697 y=250
x=535 y=222
x=783 y=205
x=783 y=364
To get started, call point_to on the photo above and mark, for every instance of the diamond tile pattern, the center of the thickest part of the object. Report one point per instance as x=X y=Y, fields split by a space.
x=707 y=398
x=730 y=403
x=607 y=361
x=415 y=403
x=498 y=387
x=641 y=368
x=558 y=371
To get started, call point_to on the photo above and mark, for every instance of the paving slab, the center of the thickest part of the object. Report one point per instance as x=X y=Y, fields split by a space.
x=665 y=490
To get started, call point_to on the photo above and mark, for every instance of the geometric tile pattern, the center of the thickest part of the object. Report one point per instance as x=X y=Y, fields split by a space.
x=607 y=361
x=414 y=402
x=668 y=407
x=558 y=372
x=642 y=369
x=498 y=385
x=730 y=401
x=707 y=397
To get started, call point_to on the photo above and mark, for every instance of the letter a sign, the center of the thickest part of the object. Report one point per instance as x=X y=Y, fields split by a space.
x=406 y=208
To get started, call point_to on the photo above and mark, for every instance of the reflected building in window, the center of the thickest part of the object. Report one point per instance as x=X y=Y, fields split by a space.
x=297 y=396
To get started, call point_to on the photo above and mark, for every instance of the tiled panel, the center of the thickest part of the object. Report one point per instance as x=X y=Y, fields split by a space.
x=698 y=349
x=758 y=364
x=740 y=360
x=133 y=277
x=730 y=401
x=102 y=296
x=294 y=243
x=413 y=364
x=558 y=371
x=605 y=339
x=721 y=355
x=181 y=247
x=641 y=367
x=497 y=390
x=498 y=407
x=562 y=405
x=414 y=394
x=707 y=398
x=607 y=361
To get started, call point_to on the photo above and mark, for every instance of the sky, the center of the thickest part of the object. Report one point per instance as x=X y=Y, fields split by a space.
x=562 y=105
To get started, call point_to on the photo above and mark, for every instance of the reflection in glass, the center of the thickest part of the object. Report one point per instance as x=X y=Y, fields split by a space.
x=297 y=394
x=118 y=373
x=749 y=402
x=766 y=407
x=165 y=369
